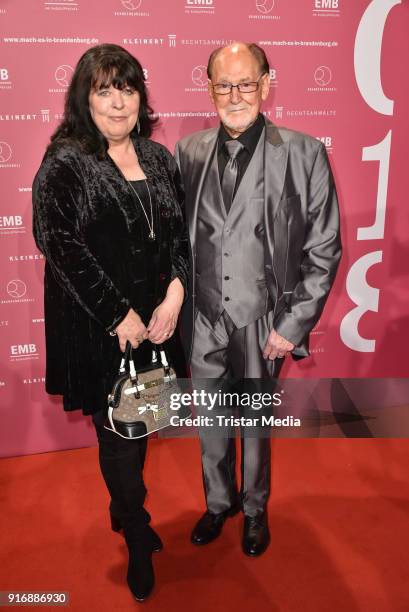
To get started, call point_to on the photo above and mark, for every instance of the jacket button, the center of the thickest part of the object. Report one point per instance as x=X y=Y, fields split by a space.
x=226 y=299
x=226 y=254
x=162 y=276
x=227 y=278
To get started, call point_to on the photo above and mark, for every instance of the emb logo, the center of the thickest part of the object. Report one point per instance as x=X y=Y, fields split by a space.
x=22 y=349
x=326 y=140
x=326 y=4
x=11 y=221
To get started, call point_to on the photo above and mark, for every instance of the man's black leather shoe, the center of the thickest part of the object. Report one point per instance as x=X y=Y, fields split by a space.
x=256 y=536
x=210 y=525
x=152 y=536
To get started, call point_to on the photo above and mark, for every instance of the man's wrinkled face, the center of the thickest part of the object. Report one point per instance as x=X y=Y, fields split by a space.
x=238 y=110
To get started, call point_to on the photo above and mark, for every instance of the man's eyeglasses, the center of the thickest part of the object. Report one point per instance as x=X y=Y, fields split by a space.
x=223 y=89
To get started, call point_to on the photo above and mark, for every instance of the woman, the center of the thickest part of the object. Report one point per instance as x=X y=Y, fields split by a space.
x=107 y=218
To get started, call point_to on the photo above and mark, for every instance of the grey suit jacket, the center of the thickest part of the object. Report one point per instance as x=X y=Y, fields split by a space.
x=301 y=219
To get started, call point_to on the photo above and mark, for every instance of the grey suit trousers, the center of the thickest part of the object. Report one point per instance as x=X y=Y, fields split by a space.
x=222 y=355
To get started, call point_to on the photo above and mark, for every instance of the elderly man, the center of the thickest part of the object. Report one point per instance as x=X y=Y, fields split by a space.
x=263 y=221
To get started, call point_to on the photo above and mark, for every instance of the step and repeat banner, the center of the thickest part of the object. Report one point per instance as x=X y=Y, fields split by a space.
x=338 y=72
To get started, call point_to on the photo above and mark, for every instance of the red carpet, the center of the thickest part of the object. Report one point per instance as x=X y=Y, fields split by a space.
x=339 y=518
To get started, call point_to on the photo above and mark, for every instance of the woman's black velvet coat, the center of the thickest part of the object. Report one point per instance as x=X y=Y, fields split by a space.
x=90 y=230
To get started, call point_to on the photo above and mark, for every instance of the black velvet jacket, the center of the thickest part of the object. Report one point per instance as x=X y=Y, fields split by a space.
x=88 y=226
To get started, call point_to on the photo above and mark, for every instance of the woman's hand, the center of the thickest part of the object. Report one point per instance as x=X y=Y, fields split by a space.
x=164 y=318
x=131 y=328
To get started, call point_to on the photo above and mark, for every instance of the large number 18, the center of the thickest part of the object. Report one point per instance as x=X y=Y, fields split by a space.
x=367 y=64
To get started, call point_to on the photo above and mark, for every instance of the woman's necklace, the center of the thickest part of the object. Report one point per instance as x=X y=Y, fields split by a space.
x=151 y=235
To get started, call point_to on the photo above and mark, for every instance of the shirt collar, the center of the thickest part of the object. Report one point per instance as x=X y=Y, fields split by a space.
x=249 y=138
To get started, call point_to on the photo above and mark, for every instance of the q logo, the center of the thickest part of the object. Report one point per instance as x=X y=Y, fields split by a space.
x=264 y=6
x=5 y=152
x=199 y=76
x=63 y=75
x=322 y=76
x=16 y=289
x=131 y=5
x=367 y=55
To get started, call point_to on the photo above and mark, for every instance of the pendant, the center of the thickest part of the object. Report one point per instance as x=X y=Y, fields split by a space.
x=152 y=235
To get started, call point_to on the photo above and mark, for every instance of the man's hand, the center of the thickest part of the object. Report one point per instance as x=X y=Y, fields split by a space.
x=277 y=346
x=165 y=317
x=131 y=328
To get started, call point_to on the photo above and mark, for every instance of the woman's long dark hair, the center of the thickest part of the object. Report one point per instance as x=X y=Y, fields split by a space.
x=101 y=66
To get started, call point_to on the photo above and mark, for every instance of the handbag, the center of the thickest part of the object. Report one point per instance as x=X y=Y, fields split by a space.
x=139 y=403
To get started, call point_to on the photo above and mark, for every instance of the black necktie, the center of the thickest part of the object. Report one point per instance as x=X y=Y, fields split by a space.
x=230 y=172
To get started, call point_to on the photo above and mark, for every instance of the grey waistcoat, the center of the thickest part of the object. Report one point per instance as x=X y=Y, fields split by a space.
x=230 y=249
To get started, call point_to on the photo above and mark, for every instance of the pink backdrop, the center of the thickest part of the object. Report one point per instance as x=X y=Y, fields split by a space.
x=338 y=73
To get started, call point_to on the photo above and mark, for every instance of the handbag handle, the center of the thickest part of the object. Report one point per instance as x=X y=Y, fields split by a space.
x=158 y=354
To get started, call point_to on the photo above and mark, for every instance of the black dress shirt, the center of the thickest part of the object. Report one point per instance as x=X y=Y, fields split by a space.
x=249 y=139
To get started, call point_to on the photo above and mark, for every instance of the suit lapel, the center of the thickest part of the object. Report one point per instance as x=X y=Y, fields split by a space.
x=275 y=166
x=199 y=168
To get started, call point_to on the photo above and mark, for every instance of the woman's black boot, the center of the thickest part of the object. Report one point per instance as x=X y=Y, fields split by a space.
x=140 y=576
x=153 y=538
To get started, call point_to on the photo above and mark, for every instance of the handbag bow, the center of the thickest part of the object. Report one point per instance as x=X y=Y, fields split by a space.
x=152 y=407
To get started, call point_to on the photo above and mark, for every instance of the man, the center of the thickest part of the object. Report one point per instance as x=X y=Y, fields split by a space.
x=263 y=221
